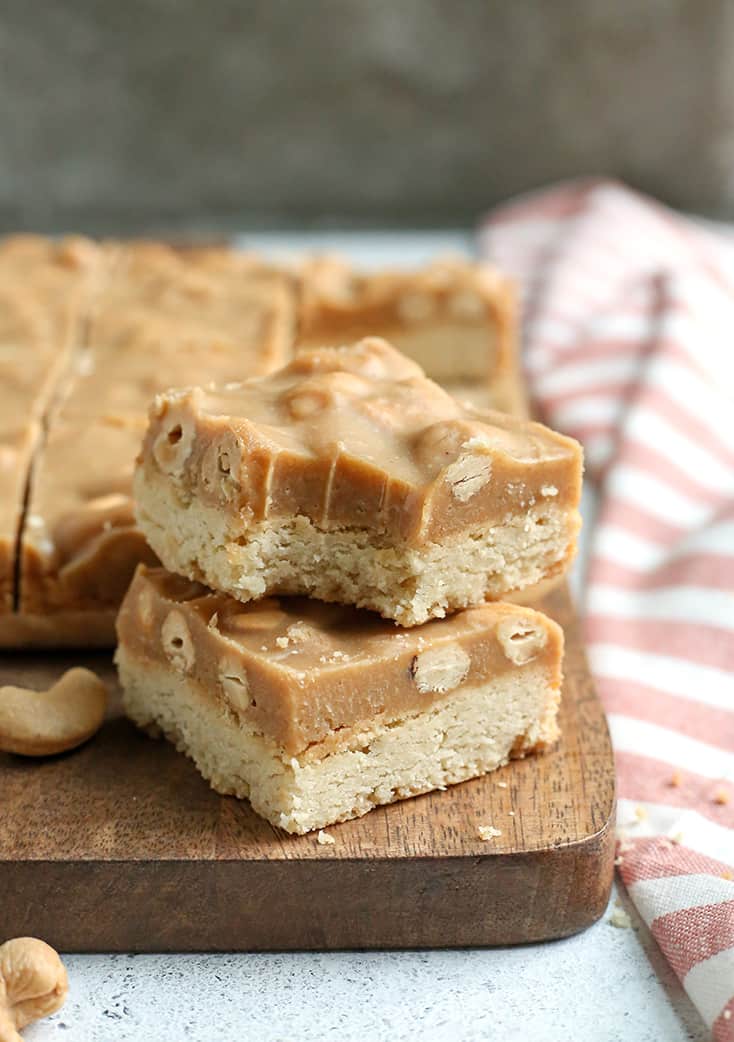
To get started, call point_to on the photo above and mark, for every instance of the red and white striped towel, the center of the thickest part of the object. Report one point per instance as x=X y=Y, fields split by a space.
x=629 y=346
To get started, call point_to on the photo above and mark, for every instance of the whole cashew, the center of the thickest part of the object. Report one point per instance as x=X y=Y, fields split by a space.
x=33 y=984
x=41 y=723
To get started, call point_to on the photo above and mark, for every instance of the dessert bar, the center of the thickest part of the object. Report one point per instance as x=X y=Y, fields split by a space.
x=348 y=476
x=318 y=713
x=456 y=319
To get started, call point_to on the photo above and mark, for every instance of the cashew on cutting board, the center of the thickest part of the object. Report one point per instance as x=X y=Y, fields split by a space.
x=42 y=723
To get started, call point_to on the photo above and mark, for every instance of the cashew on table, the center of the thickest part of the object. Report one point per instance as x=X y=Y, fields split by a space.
x=33 y=984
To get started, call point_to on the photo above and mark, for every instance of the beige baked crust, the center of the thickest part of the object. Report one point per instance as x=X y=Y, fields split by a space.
x=349 y=565
x=469 y=733
x=458 y=320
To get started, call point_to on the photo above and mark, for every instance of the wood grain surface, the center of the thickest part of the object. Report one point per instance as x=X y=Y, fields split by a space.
x=121 y=846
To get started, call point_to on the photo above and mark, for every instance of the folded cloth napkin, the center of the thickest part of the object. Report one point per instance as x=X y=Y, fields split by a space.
x=628 y=317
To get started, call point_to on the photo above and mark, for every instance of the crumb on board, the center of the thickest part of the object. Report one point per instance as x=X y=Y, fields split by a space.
x=619 y=918
x=324 y=839
x=487 y=832
x=511 y=813
x=282 y=642
x=501 y=784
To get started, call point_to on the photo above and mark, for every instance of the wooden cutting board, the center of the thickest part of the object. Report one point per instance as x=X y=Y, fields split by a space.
x=121 y=846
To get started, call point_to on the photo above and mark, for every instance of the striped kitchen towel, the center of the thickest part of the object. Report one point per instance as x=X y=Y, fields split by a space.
x=629 y=346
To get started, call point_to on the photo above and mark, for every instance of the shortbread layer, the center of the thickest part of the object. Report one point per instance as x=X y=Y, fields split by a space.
x=350 y=477
x=317 y=714
x=349 y=565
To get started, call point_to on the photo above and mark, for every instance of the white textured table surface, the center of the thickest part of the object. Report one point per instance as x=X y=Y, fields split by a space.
x=603 y=985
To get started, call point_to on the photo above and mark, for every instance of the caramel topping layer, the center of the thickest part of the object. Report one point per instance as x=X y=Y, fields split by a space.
x=170 y=301
x=300 y=670
x=332 y=290
x=172 y=317
x=80 y=545
x=357 y=437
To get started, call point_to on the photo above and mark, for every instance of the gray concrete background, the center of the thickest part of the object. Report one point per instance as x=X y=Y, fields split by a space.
x=209 y=114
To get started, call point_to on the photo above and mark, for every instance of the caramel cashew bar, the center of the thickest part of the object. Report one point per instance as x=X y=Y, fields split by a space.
x=318 y=713
x=458 y=320
x=348 y=476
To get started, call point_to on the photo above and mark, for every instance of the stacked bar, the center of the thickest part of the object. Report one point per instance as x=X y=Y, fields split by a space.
x=351 y=478
x=317 y=713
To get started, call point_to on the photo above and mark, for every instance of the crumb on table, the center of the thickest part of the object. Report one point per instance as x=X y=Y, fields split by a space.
x=620 y=918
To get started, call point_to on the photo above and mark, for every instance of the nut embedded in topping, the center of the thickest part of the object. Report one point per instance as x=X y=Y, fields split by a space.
x=145 y=608
x=440 y=669
x=266 y=616
x=467 y=475
x=177 y=643
x=76 y=252
x=464 y=304
x=219 y=467
x=323 y=391
x=416 y=307
x=172 y=446
x=443 y=442
x=331 y=279
x=234 y=683
x=307 y=403
x=521 y=639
